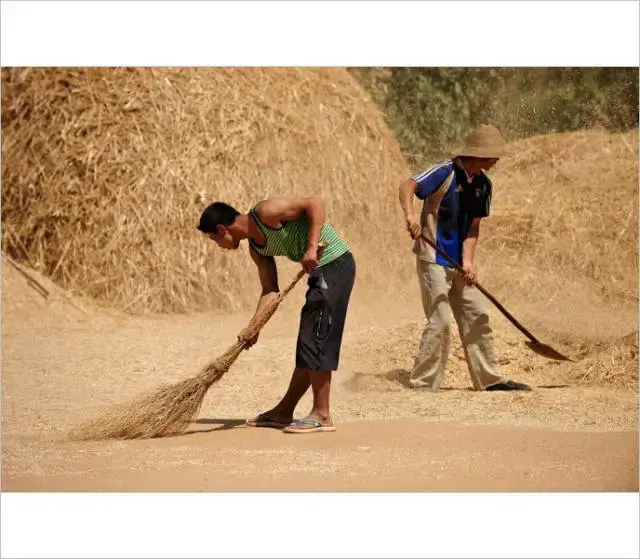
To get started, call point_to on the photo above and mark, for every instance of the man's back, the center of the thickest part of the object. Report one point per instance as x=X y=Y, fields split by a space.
x=290 y=239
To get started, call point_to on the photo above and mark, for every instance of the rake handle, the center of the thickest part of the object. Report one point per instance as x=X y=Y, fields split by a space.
x=488 y=295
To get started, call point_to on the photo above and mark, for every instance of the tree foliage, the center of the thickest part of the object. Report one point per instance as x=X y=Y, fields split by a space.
x=430 y=110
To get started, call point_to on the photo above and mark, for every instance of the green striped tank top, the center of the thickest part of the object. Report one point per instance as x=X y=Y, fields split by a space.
x=290 y=240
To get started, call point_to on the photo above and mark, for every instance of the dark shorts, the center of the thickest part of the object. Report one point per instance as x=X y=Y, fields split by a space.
x=324 y=313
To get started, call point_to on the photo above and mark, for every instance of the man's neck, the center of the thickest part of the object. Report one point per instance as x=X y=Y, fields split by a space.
x=466 y=172
x=247 y=229
x=242 y=228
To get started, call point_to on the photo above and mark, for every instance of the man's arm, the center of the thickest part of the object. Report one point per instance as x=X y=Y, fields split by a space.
x=406 y=193
x=469 y=251
x=275 y=211
x=268 y=273
x=421 y=186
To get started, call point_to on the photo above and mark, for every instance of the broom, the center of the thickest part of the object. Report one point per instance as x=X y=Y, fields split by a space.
x=171 y=408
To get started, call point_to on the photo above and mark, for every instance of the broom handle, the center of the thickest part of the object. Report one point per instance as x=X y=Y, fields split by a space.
x=488 y=295
x=271 y=307
x=212 y=373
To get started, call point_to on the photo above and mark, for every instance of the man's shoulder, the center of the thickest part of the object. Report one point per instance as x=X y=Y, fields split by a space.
x=481 y=188
x=439 y=170
x=484 y=179
x=273 y=204
x=275 y=211
x=267 y=207
x=255 y=207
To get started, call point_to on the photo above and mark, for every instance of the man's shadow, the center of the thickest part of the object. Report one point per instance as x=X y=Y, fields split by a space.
x=401 y=376
x=220 y=425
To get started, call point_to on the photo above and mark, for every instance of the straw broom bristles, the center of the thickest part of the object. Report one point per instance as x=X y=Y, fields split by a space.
x=170 y=409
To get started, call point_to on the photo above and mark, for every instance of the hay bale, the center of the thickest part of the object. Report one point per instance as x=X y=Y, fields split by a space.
x=106 y=170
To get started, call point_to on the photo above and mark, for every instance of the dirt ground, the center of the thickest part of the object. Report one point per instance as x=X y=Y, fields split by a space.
x=61 y=366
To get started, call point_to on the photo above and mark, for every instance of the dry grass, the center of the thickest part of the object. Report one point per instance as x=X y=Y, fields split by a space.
x=105 y=172
x=615 y=365
x=567 y=204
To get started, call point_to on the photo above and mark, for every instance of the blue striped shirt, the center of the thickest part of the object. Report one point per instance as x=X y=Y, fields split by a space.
x=465 y=199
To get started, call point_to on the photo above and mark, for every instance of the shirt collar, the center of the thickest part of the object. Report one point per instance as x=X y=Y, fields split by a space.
x=460 y=166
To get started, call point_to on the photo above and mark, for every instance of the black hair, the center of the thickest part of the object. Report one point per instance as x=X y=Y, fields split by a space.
x=216 y=214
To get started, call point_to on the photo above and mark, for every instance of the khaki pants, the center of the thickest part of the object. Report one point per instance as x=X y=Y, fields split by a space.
x=443 y=291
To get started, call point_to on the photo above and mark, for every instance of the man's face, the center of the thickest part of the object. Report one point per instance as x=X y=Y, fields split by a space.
x=224 y=239
x=486 y=164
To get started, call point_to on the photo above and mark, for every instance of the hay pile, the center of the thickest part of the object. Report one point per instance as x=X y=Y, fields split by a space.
x=106 y=170
x=566 y=205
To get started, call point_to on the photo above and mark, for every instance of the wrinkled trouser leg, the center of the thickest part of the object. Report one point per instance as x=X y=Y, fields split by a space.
x=428 y=367
x=467 y=305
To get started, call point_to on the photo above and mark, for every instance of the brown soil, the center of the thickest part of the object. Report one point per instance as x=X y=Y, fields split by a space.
x=61 y=366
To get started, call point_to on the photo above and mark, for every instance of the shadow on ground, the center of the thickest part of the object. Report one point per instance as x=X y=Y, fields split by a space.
x=220 y=425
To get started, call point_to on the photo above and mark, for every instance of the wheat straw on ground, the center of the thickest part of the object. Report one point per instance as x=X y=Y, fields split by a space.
x=615 y=365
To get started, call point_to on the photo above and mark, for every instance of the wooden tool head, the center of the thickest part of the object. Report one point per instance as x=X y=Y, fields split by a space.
x=547 y=351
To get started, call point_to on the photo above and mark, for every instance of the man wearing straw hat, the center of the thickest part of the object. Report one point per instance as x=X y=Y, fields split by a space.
x=457 y=195
x=294 y=227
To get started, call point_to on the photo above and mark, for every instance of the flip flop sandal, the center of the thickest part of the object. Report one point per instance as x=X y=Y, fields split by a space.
x=262 y=420
x=307 y=426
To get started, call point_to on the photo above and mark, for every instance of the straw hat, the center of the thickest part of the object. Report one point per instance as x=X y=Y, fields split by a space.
x=483 y=141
